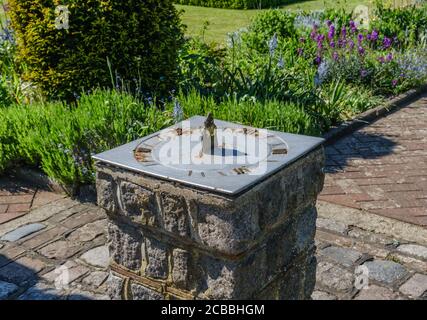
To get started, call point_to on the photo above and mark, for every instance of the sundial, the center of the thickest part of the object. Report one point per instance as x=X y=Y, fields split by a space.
x=210 y=154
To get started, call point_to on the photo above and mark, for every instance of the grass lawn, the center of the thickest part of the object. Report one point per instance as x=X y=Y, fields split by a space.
x=222 y=21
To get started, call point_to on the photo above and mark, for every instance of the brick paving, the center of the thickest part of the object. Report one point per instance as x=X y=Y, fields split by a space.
x=53 y=247
x=382 y=168
x=18 y=198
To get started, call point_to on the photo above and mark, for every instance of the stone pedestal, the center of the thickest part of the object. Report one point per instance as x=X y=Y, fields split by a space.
x=170 y=241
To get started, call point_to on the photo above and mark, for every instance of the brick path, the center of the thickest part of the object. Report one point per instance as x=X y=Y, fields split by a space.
x=65 y=239
x=382 y=168
x=18 y=198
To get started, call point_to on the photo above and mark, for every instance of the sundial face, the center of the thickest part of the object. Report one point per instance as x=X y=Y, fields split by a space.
x=227 y=158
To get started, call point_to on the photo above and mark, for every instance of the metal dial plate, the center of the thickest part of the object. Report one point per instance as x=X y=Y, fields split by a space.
x=243 y=157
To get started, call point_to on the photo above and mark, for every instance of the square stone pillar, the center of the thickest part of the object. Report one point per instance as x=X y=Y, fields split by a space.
x=168 y=240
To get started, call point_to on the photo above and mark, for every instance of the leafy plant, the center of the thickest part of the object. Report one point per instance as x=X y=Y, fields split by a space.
x=139 y=39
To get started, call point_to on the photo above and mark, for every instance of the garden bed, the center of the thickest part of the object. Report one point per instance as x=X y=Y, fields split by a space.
x=300 y=72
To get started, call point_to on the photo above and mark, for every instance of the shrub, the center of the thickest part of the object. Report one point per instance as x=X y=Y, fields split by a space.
x=408 y=24
x=234 y=4
x=266 y=24
x=140 y=39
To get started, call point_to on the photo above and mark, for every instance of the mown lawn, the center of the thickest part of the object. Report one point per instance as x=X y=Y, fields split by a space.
x=222 y=21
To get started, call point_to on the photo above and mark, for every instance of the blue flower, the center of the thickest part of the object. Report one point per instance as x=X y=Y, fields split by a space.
x=273 y=44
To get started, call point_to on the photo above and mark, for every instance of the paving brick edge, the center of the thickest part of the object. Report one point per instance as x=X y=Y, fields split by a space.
x=374 y=114
x=40 y=179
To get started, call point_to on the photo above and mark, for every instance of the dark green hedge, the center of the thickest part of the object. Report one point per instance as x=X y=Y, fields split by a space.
x=234 y=4
x=139 y=38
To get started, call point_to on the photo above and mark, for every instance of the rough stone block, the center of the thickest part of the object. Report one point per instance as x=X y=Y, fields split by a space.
x=142 y=293
x=124 y=244
x=175 y=219
x=157 y=259
x=115 y=286
x=106 y=192
x=182 y=268
x=385 y=271
x=344 y=256
x=137 y=201
x=227 y=229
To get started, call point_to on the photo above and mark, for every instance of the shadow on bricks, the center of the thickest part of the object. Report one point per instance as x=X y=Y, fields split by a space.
x=357 y=146
x=19 y=280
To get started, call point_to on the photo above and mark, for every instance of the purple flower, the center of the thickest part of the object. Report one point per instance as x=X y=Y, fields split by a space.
x=313 y=34
x=381 y=59
x=363 y=73
x=320 y=38
x=300 y=51
x=361 y=50
x=318 y=60
x=394 y=82
x=328 y=23
x=353 y=27
x=342 y=43
x=335 y=56
x=302 y=40
x=332 y=44
x=387 y=42
x=344 y=31
x=368 y=36
x=351 y=44
x=374 y=35
x=331 y=32
x=360 y=37
x=389 y=57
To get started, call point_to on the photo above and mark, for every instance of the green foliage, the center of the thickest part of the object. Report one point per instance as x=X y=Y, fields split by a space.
x=60 y=139
x=234 y=4
x=140 y=40
x=266 y=24
x=408 y=25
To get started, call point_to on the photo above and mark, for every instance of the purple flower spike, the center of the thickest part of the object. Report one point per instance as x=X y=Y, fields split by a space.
x=353 y=27
x=387 y=43
x=331 y=32
x=313 y=35
x=351 y=44
x=344 y=32
x=318 y=60
x=302 y=39
x=320 y=38
x=394 y=82
x=368 y=36
x=374 y=35
x=360 y=37
x=381 y=59
x=361 y=50
x=300 y=51
x=389 y=57
x=335 y=56
x=332 y=44
x=328 y=23
x=363 y=73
